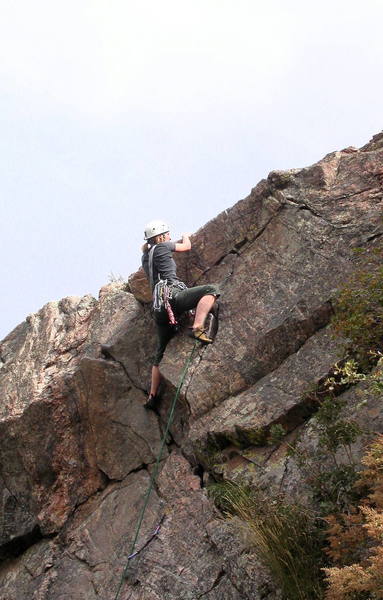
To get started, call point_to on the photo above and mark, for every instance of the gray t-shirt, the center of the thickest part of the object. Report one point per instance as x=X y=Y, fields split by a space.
x=164 y=266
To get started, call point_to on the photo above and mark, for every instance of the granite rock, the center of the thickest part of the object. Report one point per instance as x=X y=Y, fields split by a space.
x=77 y=448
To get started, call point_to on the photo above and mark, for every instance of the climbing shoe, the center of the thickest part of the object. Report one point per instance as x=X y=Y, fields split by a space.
x=200 y=334
x=152 y=402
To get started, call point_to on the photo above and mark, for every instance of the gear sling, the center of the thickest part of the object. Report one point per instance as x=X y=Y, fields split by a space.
x=162 y=292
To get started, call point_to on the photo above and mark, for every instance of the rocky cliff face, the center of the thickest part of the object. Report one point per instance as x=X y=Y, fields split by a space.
x=77 y=447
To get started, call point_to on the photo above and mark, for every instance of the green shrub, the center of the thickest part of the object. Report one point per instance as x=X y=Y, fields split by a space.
x=276 y=434
x=331 y=481
x=359 y=307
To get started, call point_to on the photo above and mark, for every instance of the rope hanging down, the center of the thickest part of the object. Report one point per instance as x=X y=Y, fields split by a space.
x=153 y=477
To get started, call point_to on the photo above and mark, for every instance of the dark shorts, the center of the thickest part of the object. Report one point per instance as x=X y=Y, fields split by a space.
x=182 y=301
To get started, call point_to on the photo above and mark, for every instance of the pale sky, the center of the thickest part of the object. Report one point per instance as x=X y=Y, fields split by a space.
x=115 y=112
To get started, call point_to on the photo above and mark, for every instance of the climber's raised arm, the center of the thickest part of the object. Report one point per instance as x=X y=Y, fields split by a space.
x=185 y=244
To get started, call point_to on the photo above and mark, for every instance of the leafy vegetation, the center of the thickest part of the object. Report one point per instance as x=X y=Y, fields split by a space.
x=356 y=539
x=355 y=535
x=359 y=308
x=276 y=434
x=330 y=479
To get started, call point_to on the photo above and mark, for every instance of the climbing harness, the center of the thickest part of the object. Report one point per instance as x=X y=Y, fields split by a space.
x=163 y=291
x=154 y=476
x=162 y=294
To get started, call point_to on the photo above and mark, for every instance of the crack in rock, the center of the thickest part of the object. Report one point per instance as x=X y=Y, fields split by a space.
x=245 y=243
x=20 y=544
x=216 y=582
x=306 y=206
x=135 y=433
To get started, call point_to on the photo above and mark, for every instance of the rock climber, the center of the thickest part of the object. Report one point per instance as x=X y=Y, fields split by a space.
x=201 y=297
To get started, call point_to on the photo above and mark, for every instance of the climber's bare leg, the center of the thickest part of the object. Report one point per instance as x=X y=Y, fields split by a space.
x=202 y=310
x=156 y=379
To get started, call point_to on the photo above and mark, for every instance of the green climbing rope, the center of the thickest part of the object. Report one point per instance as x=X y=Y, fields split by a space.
x=154 y=475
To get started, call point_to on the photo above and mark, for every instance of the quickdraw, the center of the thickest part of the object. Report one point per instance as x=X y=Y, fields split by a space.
x=156 y=532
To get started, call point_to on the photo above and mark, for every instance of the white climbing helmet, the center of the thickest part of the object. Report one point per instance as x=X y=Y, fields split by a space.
x=155 y=228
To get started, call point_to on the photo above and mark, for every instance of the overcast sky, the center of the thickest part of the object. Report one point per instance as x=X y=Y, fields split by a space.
x=115 y=112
